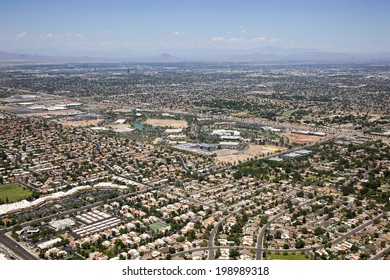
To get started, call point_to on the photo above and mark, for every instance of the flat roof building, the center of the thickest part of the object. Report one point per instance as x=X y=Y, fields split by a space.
x=61 y=224
x=229 y=145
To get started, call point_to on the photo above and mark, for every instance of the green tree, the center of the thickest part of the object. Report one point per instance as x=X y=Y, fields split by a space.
x=217 y=253
x=299 y=244
x=234 y=254
x=319 y=231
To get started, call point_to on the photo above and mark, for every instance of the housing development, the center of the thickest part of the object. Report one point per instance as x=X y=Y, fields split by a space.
x=195 y=161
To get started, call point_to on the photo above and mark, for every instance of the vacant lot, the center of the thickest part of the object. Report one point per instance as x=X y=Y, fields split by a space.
x=303 y=139
x=167 y=123
x=81 y=123
x=289 y=256
x=13 y=193
x=253 y=151
x=6 y=108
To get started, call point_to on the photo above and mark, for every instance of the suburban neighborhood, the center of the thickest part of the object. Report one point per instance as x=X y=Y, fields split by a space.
x=144 y=175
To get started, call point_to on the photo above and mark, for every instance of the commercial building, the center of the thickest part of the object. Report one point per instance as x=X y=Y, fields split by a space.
x=229 y=145
x=62 y=224
x=48 y=244
x=225 y=132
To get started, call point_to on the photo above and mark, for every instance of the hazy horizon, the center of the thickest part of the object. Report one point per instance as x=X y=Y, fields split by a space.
x=147 y=26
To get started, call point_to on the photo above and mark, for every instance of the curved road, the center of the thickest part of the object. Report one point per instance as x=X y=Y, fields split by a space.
x=260 y=237
x=307 y=249
x=212 y=236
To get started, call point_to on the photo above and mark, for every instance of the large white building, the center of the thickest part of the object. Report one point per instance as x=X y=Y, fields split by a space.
x=173 y=130
x=61 y=224
x=225 y=132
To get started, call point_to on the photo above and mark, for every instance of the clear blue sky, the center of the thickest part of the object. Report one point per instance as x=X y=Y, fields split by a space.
x=330 y=25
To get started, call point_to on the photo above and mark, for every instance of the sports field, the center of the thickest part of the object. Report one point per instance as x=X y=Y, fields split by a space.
x=14 y=193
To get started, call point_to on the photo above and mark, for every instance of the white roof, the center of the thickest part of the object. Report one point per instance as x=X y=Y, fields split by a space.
x=62 y=223
x=123 y=130
x=99 y=128
x=173 y=130
x=225 y=132
x=17 y=206
x=48 y=244
x=121 y=121
x=229 y=143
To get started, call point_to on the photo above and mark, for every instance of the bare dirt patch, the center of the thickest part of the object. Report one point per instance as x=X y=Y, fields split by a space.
x=167 y=123
x=253 y=151
x=119 y=126
x=241 y=114
x=81 y=123
x=304 y=139
x=374 y=117
x=6 y=108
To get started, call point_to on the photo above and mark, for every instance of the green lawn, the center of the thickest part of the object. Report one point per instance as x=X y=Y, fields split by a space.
x=14 y=193
x=158 y=226
x=281 y=256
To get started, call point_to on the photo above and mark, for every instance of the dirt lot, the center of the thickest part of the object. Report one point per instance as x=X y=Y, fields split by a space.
x=374 y=117
x=304 y=139
x=167 y=123
x=116 y=126
x=6 y=108
x=233 y=156
x=82 y=123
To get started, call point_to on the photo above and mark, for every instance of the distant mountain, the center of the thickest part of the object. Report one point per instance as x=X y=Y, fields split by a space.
x=164 y=57
x=261 y=54
x=4 y=56
x=28 y=58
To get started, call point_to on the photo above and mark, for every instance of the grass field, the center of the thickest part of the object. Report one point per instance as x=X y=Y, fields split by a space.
x=14 y=193
x=158 y=226
x=297 y=256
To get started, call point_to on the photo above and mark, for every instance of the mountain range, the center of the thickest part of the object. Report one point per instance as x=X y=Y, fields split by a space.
x=258 y=55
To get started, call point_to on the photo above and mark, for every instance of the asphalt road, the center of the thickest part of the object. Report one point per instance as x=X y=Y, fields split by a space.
x=212 y=236
x=380 y=254
x=211 y=247
x=357 y=229
x=260 y=237
x=16 y=248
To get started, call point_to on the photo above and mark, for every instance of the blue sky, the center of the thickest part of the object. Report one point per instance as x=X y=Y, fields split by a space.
x=350 y=26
